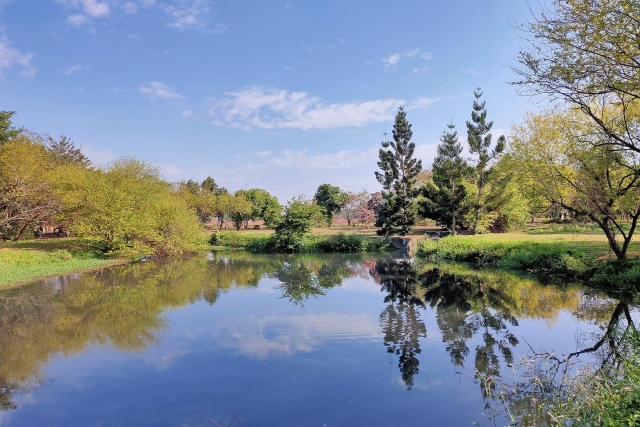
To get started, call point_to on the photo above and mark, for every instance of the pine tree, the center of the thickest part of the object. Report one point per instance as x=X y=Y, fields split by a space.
x=66 y=152
x=399 y=170
x=479 y=139
x=445 y=197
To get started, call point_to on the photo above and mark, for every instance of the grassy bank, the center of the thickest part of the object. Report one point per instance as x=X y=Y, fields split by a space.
x=26 y=261
x=554 y=258
x=338 y=243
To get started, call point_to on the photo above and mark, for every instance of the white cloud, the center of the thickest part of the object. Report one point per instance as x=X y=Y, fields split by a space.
x=133 y=37
x=269 y=109
x=169 y=170
x=96 y=155
x=394 y=59
x=159 y=90
x=130 y=8
x=422 y=70
x=75 y=68
x=427 y=56
x=84 y=10
x=286 y=335
x=391 y=60
x=11 y=58
x=95 y=9
x=471 y=71
x=192 y=15
x=339 y=160
x=117 y=89
x=188 y=114
x=422 y=102
x=147 y=3
x=77 y=20
x=426 y=153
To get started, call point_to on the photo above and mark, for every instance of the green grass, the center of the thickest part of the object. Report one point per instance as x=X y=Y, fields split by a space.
x=26 y=261
x=553 y=258
x=313 y=243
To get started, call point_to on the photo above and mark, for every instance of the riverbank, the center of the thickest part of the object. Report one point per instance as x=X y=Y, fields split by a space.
x=555 y=257
x=26 y=261
x=336 y=243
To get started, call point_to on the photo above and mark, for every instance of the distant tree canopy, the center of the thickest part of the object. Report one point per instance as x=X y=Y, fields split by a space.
x=399 y=170
x=264 y=206
x=331 y=199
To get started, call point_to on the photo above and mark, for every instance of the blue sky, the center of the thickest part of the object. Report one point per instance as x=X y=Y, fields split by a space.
x=282 y=95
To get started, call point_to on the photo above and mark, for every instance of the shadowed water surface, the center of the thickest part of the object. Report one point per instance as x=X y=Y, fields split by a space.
x=332 y=340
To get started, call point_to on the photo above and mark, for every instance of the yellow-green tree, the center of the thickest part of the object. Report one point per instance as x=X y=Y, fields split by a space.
x=26 y=171
x=571 y=163
x=127 y=206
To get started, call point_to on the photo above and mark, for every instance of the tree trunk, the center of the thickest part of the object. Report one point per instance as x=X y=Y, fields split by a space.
x=453 y=210
x=620 y=253
x=348 y=222
x=24 y=226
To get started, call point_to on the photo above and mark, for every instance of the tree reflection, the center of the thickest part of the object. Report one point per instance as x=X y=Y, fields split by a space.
x=400 y=320
x=547 y=378
x=467 y=306
x=119 y=307
x=304 y=277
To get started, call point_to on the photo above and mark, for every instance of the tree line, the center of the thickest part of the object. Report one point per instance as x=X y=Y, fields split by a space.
x=124 y=207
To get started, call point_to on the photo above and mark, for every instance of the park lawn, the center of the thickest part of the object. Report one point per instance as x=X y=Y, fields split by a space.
x=592 y=243
x=29 y=260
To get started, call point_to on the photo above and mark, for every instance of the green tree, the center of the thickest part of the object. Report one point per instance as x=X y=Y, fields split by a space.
x=264 y=206
x=209 y=184
x=480 y=143
x=7 y=131
x=298 y=218
x=399 y=170
x=331 y=199
x=240 y=210
x=445 y=196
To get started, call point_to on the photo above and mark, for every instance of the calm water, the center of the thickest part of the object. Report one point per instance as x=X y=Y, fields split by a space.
x=331 y=340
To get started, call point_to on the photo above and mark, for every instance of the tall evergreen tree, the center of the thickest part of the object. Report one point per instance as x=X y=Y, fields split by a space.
x=398 y=177
x=445 y=197
x=480 y=143
x=7 y=131
x=66 y=152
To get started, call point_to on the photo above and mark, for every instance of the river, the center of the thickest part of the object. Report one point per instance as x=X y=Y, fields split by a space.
x=230 y=338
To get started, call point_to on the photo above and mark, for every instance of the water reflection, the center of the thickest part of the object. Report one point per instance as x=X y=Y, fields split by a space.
x=476 y=315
